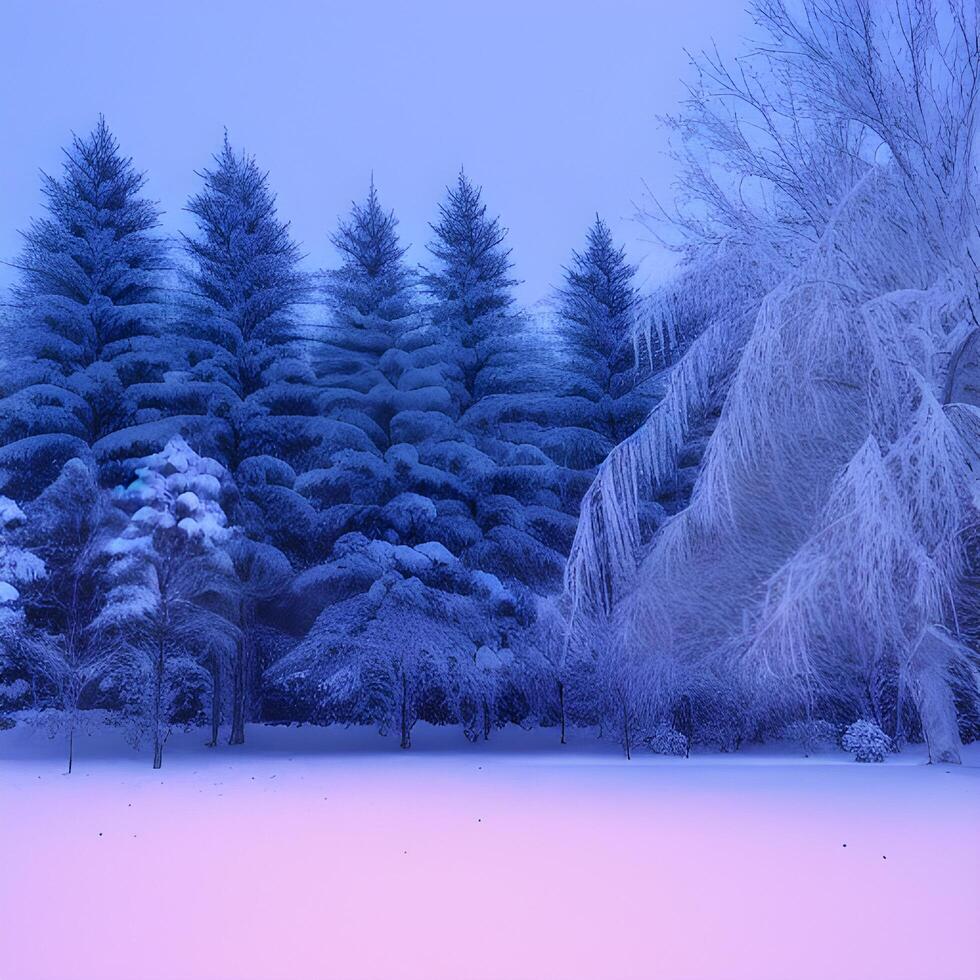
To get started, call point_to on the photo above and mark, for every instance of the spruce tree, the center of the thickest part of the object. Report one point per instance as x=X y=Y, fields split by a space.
x=596 y=304
x=248 y=380
x=244 y=269
x=88 y=315
x=373 y=284
x=409 y=509
x=371 y=301
x=513 y=485
x=471 y=277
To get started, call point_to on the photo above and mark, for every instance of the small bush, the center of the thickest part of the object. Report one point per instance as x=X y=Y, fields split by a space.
x=667 y=741
x=867 y=741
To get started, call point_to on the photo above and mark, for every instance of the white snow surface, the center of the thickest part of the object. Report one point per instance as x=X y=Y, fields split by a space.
x=329 y=853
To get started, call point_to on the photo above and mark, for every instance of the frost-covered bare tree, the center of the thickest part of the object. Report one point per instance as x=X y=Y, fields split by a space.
x=821 y=564
x=67 y=528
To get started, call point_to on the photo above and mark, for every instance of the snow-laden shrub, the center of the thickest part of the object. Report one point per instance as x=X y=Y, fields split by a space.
x=14 y=695
x=867 y=741
x=666 y=740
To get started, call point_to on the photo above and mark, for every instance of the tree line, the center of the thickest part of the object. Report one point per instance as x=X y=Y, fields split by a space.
x=237 y=491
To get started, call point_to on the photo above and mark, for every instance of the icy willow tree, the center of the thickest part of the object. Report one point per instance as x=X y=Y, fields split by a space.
x=173 y=594
x=87 y=314
x=822 y=564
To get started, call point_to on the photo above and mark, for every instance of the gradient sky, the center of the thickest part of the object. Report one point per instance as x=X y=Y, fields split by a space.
x=551 y=106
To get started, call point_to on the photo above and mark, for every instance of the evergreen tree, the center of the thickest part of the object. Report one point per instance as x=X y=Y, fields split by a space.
x=371 y=301
x=373 y=283
x=245 y=270
x=247 y=378
x=88 y=314
x=246 y=351
x=415 y=498
x=503 y=397
x=596 y=304
x=471 y=281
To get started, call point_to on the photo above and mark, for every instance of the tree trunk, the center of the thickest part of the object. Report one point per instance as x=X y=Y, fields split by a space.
x=900 y=711
x=240 y=685
x=238 y=698
x=561 y=709
x=934 y=696
x=486 y=722
x=71 y=742
x=215 y=699
x=406 y=742
x=158 y=705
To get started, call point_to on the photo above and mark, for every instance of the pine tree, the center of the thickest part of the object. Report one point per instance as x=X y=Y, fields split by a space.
x=88 y=315
x=502 y=395
x=373 y=283
x=596 y=304
x=371 y=301
x=411 y=628
x=244 y=269
x=470 y=284
x=248 y=378
x=246 y=360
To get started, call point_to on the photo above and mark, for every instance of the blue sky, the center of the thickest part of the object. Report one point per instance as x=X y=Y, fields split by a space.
x=552 y=107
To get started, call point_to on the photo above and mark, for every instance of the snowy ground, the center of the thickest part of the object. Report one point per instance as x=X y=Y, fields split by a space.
x=321 y=854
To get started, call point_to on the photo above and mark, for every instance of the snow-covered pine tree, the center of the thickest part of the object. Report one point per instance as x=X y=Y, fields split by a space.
x=418 y=505
x=596 y=305
x=246 y=362
x=88 y=315
x=371 y=301
x=493 y=364
x=247 y=377
x=174 y=593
